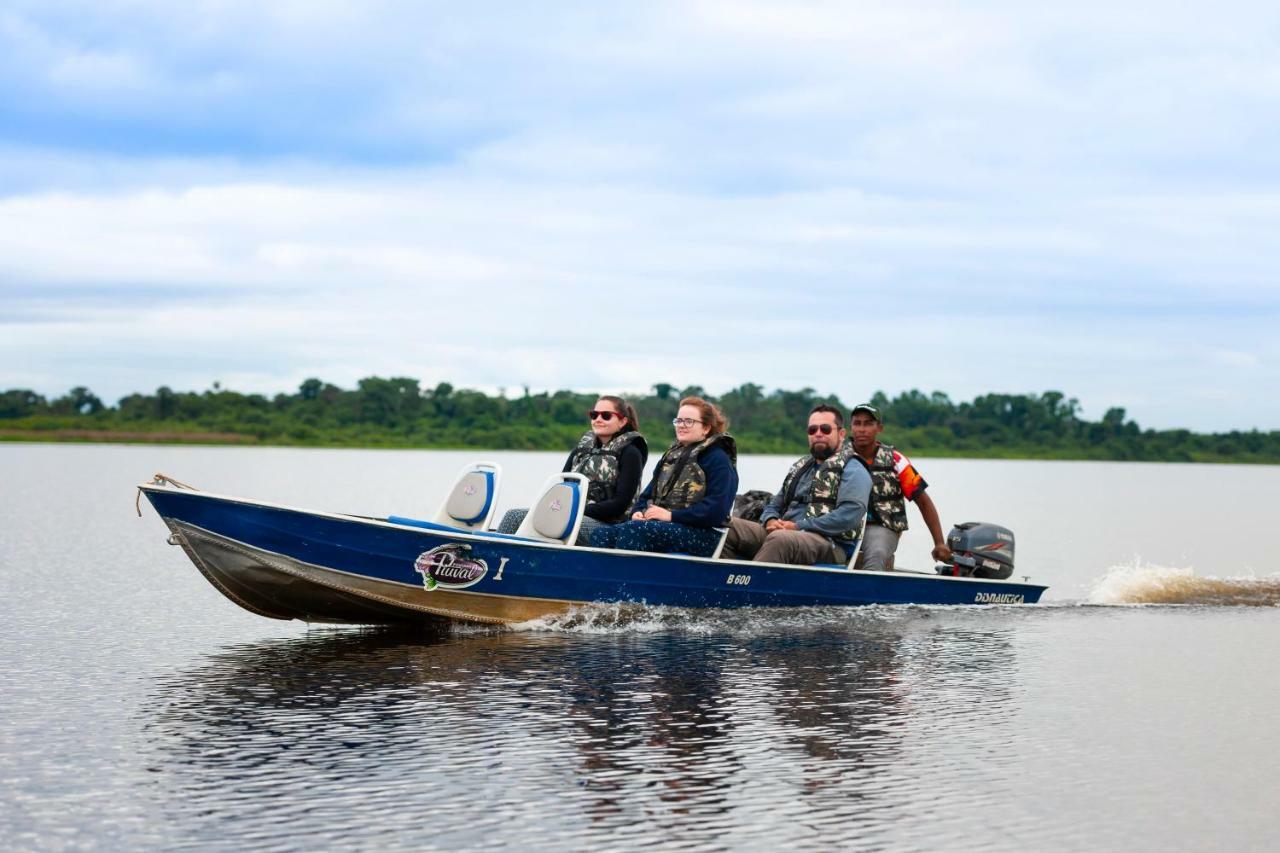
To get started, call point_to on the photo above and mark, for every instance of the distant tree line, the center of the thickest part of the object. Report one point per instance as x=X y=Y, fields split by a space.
x=398 y=412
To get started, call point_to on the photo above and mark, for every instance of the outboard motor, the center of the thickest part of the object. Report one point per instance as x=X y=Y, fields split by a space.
x=979 y=550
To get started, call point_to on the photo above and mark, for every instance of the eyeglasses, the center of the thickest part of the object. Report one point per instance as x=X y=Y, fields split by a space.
x=684 y=422
x=826 y=429
x=604 y=416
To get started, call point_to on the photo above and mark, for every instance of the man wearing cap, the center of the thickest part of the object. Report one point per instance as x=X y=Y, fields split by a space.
x=894 y=480
x=814 y=518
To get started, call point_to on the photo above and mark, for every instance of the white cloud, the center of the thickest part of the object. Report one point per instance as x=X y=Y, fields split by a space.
x=847 y=196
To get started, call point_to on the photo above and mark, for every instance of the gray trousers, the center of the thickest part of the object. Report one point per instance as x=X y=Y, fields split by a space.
x=748 y=540
x=878 y=545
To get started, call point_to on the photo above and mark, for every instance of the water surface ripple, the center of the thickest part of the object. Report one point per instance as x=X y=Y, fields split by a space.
x=1132 y=711
x=737 y=734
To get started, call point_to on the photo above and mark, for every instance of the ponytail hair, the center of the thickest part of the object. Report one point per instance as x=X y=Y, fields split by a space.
x=712 y=418
x=625 y=409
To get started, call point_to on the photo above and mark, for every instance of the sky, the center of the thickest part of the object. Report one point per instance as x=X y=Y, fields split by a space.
x=962 y=197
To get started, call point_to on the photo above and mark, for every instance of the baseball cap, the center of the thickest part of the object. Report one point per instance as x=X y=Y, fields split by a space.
x=869 y=409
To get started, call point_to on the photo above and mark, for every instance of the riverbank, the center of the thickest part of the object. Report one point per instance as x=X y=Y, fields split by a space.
x=747 y=444
x=399 y=413
x=102 y=436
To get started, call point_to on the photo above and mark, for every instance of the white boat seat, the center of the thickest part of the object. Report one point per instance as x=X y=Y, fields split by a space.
x=857 y=545
x=473 y=499
x=724 y=534
x=556 y=515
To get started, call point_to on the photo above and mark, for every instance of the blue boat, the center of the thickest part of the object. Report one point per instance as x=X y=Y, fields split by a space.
x=320 y=567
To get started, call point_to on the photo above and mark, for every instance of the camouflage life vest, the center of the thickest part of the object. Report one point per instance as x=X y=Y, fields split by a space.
x=888 y=505
x=680 y=481
x=824 y=490
x=599 y=464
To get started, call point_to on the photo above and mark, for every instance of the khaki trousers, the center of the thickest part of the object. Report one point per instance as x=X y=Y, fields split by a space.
x=748 y=540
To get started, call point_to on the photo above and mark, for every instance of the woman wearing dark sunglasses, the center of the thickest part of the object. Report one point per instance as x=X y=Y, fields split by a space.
x=611 y=455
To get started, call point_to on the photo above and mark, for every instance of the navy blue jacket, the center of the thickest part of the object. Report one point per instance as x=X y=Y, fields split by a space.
x=722 y=485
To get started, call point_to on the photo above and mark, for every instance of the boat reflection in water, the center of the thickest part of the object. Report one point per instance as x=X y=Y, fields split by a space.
x=724 y=728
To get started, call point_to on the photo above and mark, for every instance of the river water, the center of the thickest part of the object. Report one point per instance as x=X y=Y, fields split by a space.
x=1132 y=710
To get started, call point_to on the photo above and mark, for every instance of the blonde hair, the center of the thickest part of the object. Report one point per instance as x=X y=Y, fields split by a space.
x=712 y=418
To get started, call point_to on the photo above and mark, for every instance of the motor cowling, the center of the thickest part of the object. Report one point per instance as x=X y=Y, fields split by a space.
x=980 y=550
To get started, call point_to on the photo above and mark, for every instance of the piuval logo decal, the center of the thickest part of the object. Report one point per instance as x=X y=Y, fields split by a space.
x=450 y=567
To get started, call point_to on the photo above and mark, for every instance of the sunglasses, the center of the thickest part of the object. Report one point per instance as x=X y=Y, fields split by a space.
x=825 y=429
x=604 y=416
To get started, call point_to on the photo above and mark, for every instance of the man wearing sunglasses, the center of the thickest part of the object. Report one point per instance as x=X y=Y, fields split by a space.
x=814 y=518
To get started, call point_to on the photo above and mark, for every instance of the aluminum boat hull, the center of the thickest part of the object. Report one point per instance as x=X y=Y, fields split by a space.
x=287 y=563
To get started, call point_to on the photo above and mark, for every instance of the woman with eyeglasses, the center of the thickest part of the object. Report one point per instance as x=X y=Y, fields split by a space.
x=611 y=455
x=691 y=492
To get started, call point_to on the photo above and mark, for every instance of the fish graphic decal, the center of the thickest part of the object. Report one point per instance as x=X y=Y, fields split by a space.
x=450 y=567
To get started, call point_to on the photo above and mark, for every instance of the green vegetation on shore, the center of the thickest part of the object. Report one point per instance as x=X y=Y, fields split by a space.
x=397 y=412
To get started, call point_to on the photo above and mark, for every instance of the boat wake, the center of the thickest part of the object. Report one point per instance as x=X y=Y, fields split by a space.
x=1147 y=584
x=633 y=618
x=610 y=618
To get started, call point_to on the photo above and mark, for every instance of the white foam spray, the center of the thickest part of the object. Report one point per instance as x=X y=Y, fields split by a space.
x=1139 y=583
x=606 y=619
x=636 y=618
